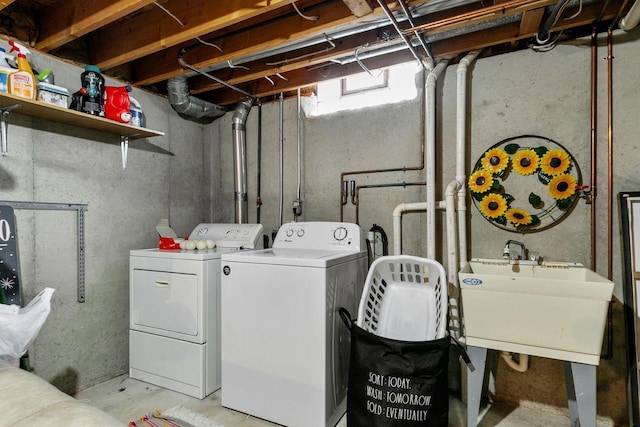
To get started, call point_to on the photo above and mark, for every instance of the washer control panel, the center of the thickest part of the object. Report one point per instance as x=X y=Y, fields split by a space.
x=320 y=235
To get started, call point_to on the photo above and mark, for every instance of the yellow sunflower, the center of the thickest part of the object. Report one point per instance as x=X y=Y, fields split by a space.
x=525 y=162
x=519 y=217
x=495 y=160
x=493 y=205
x=562 y=186
x=554 y=162
x=480 y=181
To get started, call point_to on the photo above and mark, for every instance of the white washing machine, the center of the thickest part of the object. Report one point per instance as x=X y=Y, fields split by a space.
x=285 y=349
x=174 y=336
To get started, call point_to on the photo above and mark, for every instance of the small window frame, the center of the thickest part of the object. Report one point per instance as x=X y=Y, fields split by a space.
x=344 y=91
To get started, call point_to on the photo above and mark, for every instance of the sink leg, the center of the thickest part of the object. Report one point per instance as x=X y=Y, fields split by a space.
x=581 y=393
x=475 y=378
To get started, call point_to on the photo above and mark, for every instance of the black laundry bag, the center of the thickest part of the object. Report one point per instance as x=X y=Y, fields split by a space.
x=396 y=383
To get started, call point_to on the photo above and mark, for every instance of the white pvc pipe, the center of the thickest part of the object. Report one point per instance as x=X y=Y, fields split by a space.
x=461 y=139
x=631 y=19
x=457 y=233
x=521 y=366
x=430 y=155
x=401 y=209
x=397 y=222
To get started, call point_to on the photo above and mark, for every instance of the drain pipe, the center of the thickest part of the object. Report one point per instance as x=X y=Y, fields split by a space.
x=456 y=228
x=401 y=209
x=521 y=366
x=461 y=136
x=430 y=155
x=239 y=130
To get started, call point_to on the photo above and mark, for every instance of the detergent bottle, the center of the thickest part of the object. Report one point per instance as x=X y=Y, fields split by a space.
x=5 y=70
x=22 y=82
x=92 y=91
x=116 y=103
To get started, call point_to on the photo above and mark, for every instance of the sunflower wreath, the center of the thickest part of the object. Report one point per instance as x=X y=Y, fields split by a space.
x=525 y=184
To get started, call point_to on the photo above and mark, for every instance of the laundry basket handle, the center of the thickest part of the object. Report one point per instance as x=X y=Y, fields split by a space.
x=346 y=317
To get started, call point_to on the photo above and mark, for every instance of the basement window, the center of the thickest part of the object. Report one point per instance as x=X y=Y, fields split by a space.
x=380 y=87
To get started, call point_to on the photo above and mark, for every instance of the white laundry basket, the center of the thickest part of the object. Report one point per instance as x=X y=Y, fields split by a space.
x=405 y=298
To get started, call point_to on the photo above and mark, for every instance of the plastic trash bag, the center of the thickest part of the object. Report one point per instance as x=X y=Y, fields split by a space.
x=19 y=326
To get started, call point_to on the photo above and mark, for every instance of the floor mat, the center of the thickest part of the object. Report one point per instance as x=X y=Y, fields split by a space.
x=177 y=416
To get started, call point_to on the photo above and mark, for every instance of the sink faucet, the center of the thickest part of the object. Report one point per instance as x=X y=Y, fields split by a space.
x=510 y=254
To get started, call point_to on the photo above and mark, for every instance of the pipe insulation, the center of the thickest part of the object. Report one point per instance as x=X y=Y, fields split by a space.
x=190 y=107
x=239 y=130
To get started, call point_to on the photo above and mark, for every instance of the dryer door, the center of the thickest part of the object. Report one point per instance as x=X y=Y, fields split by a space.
x=164 y=303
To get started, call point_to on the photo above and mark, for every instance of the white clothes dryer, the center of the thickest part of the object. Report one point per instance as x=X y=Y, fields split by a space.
x=285 y=349
x=174 y=336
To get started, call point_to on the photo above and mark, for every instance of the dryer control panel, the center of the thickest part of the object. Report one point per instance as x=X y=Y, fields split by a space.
x=247 y=236
x=320 y=235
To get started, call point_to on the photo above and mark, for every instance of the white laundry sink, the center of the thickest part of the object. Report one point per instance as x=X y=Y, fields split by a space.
x=555 y=310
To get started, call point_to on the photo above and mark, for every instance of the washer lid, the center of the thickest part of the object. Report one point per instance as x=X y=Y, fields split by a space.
x=293 y=257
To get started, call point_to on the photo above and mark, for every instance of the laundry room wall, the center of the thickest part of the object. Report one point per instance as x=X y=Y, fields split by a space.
x=82 y=344
x=527 y=92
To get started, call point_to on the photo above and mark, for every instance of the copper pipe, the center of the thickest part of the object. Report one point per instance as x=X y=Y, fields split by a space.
x=343 y=200
x=610 y=151
x=396 y=184
x=609 y=354
x=499 y=10
x=594 y=144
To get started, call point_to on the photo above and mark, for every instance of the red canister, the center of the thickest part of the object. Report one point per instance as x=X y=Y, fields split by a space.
x=116 y=103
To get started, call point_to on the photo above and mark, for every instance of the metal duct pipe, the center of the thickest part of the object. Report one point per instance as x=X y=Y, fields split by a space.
x=189 y=107
x=239 y=130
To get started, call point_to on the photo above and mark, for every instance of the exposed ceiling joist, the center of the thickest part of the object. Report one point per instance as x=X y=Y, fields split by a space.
x=304 y=41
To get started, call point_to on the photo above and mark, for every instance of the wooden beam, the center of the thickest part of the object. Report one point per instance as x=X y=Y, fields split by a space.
x=308 y=57
x=5 y=3
x=163 y=65
x=531 y=21
x=69 y=20
x=359 y=8
x=156 y=30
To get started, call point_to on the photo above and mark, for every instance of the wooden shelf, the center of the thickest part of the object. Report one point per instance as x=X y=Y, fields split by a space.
x=74 y=118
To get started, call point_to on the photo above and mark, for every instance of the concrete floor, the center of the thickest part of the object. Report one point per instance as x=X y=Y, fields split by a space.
x=127 y=400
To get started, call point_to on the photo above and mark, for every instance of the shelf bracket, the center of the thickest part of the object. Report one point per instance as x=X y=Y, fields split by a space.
x=124 y=148
x=4 y=128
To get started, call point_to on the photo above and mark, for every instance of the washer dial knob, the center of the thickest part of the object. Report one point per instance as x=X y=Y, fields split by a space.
x=340 y=233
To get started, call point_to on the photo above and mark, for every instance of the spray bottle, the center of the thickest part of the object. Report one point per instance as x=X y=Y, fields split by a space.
x=22 y=82
x=5 y=70
x=137 y=116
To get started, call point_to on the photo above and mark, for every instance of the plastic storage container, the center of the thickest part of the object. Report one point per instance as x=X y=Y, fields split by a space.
x=52 y=94
x=404 y=298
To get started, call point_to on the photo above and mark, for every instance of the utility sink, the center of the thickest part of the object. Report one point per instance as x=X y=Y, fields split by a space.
x=555 y=310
